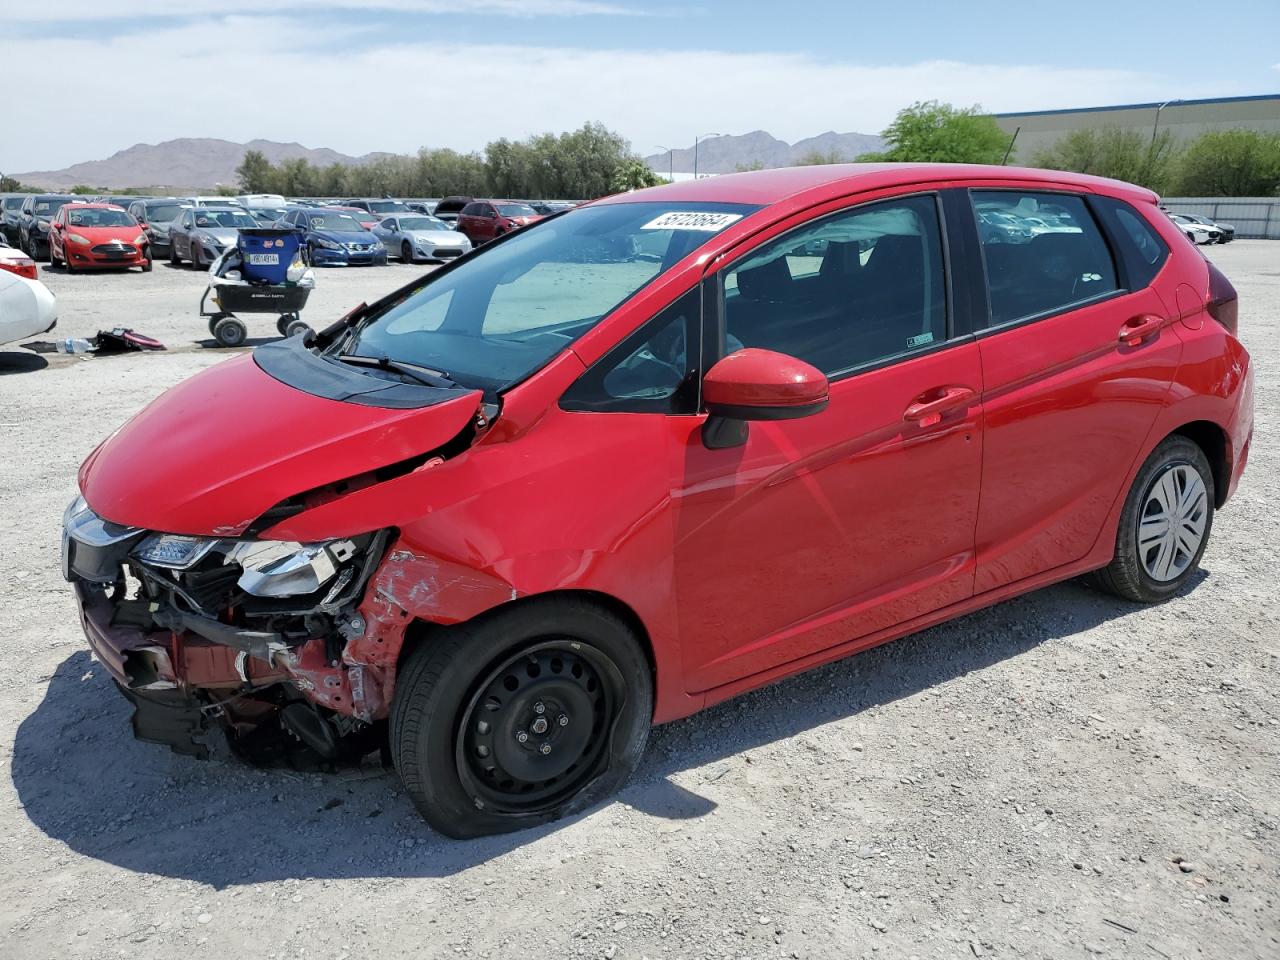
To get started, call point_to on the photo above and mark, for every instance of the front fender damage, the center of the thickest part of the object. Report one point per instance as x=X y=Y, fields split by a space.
x=408 y=586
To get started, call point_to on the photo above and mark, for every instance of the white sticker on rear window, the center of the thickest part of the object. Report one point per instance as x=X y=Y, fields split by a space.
x=690 y=220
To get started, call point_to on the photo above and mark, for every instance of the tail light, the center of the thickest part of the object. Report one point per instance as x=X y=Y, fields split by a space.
x=1223 y=305
x=22 y=266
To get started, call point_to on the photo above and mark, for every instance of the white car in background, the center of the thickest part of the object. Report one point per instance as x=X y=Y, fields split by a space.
x=1196 y=232
x=27 y=307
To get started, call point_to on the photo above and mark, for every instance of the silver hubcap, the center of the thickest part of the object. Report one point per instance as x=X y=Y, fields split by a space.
x=1173 y=522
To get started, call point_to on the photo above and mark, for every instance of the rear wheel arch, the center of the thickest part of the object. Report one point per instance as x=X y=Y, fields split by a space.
x=1216 y=446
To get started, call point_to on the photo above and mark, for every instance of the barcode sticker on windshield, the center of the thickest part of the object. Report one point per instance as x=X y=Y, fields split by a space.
x=707 y=222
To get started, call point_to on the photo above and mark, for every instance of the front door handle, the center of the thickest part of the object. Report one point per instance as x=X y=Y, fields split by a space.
x=928 y=408
x=1137 y=329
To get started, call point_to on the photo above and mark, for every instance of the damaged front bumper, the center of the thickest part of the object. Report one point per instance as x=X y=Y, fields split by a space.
x=243 y=634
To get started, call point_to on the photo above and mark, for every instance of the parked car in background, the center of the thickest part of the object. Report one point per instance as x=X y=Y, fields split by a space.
x=380 y=208
x=87 y=235
x=266 y=208
x=205 y=201
x=10 y=214
x=425 y=206
x=485 y=220
x=444 y=513
x=333 y=238
x=1196 y=232
x=359 y=214
x=1226 y=231
x=27 y=307
x=16 y=261
x=33 y=223
x=414 y=236
x=156 y=217
x=202 y=234
x=449 y=208
x=548 y=207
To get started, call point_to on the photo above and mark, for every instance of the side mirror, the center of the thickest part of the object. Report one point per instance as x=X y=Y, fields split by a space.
x=754 y=384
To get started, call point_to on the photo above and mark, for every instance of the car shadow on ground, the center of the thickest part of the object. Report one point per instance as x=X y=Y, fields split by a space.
x=84 y=781
x=17 y=362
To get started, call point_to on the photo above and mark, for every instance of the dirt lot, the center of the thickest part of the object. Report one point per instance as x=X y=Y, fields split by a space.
x=1019 y=783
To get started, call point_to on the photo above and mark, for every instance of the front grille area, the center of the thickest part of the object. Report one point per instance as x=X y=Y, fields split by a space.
x=448 y=252
x=114 y=250
x=360 y=247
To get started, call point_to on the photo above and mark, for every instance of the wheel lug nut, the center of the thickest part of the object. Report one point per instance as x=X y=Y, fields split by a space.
x=539 y=708
x=521 y=736
x=545 y=749
x=562 y=720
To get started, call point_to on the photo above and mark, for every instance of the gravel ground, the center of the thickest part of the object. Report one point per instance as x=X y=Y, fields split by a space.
x=1064 y=775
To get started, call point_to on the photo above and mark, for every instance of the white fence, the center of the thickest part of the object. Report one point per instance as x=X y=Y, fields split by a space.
x=1255 y=217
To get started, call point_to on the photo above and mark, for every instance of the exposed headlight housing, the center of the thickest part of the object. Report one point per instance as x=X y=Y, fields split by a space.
x=76 y=238
x=140 y=239
x=274 y=568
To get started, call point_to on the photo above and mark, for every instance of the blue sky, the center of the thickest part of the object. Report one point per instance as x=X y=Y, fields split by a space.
x=399 y=74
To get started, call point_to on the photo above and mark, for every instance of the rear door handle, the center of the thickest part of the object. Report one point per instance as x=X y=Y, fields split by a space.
x=1139 y=328
x=928 y=408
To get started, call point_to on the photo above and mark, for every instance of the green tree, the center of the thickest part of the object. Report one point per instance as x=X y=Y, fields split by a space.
x=84 y=190
x=936 y=132
x=9 y=184
x=255 y=173
x=816 y=158
x=634 y=174
x=1230 y=163
x=1113 y=152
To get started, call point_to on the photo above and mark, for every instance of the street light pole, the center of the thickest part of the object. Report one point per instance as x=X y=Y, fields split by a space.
x=1151 y=150
x=704 y=136
x=671 y=163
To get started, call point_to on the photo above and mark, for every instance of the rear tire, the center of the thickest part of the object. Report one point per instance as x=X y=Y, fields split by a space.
x=1172 y=492
x=464 y=699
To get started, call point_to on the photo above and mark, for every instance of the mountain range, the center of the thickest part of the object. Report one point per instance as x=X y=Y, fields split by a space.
x=179 y=165
x=200 y=164
x=759 y=149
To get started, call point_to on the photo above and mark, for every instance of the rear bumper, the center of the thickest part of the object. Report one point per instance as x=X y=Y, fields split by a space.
x=1240 y=431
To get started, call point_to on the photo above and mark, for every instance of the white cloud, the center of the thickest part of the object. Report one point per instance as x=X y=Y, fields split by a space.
x=402 y=96
x=79 y=10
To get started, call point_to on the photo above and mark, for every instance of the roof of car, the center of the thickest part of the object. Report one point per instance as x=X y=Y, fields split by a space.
x=824 y=181
x=96 y=205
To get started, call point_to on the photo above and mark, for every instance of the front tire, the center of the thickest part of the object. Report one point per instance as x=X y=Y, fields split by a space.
x=1165 y=525
x=529 y=714
x=406 y=252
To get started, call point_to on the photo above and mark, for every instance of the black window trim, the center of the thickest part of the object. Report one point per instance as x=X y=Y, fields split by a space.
x=953 y=336
x=1121 y=290
x=628 y=345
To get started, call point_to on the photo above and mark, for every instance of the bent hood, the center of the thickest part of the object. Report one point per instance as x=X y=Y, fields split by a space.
x=214 y=453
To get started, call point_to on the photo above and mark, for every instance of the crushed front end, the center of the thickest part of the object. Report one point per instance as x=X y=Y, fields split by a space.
x=268 y=641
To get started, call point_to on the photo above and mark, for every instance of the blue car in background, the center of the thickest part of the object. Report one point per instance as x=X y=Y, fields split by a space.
x=332 y=238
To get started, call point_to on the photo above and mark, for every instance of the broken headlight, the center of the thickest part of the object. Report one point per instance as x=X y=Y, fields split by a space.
x=173 y=551
x=275 y=568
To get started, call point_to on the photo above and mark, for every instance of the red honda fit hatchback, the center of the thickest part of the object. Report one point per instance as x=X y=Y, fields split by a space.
x=652 y=453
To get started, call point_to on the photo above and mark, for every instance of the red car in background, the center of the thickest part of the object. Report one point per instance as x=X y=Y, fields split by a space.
x=655 y=452
x=485 y=220
x=362 y=216
x=84 y=235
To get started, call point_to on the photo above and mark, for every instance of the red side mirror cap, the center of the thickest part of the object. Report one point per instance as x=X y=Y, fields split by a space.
x=755 y=384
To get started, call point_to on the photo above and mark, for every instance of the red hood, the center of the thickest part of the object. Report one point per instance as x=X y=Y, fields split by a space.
x=209 y=456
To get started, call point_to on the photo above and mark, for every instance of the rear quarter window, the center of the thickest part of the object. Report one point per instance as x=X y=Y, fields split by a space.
x=1141 y=249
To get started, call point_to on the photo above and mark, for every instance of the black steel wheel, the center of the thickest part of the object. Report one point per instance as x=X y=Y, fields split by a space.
x=526 y=715
x=534 y=732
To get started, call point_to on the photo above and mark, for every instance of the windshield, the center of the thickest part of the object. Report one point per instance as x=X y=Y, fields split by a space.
x=160 y=212
x=13 y=203
x=342 y=222
x=491 y=321
x=386 y=206
x=47 y=206
x=270 y=214
x=516 y=210
x=423 y=223
x=95 y=217
x=224 y=218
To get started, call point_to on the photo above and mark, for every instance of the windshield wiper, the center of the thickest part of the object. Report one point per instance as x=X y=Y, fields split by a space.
x=424 y=375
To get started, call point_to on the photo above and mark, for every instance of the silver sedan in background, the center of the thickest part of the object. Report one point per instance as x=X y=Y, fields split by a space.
x=413 y=237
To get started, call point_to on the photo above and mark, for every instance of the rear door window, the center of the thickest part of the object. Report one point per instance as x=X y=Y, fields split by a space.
x=1052 y=257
